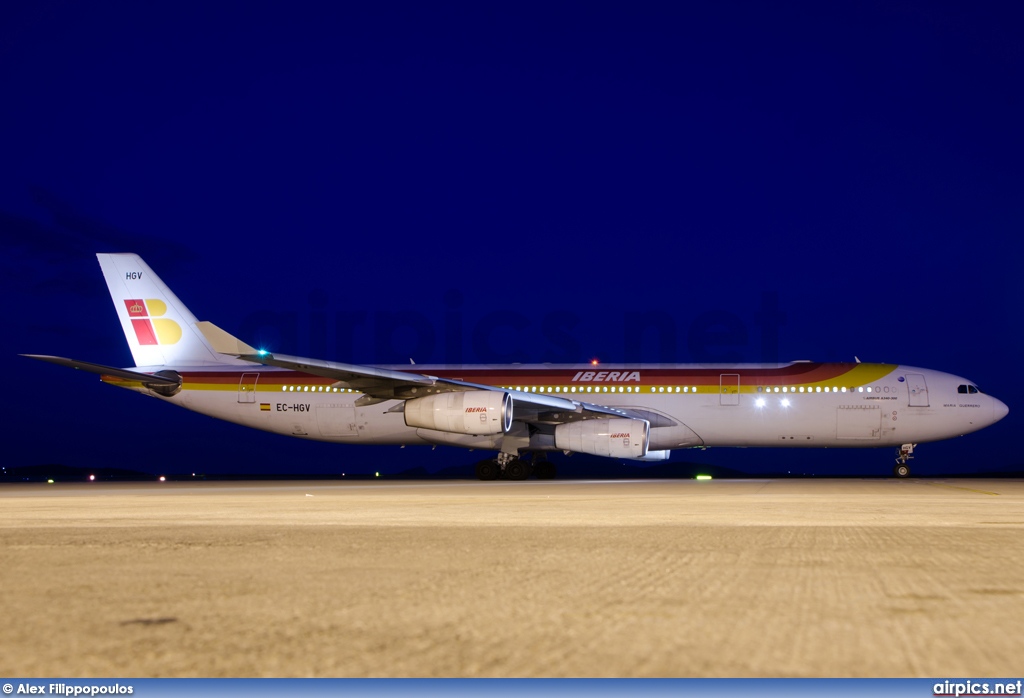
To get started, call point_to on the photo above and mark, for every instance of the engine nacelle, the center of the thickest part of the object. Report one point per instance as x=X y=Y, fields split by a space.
x=470 y=412
x=615 y=438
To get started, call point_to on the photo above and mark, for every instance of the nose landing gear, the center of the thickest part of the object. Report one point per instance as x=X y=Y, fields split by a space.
x=903 y=454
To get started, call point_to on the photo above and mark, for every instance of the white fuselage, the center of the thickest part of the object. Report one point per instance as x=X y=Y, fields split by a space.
x=799 y=404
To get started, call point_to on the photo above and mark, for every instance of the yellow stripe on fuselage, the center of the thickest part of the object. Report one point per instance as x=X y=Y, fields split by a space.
x=858 y=376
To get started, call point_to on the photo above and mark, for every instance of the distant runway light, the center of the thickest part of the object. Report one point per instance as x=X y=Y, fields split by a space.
x=49 y=482
x=163 y=479
x=703 y=477
x=91 y=478
x=594 y=362
x=376 y=474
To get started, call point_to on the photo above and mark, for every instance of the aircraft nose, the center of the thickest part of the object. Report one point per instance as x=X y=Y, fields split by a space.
x=999 y=409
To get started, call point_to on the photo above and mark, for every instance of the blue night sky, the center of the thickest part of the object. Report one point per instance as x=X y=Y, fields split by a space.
x=656 y=182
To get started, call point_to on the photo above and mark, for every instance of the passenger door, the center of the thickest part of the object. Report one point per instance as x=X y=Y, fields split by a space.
x=918 y=390
x=247 y=387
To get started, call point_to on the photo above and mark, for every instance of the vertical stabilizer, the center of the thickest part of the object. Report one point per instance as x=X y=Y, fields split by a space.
x=160 y=330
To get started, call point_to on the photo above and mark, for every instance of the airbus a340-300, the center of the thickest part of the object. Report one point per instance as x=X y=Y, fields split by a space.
x=524 y=411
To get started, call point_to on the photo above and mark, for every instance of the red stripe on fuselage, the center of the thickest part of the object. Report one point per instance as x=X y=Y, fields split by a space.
x=769 y=376
x=784 y=375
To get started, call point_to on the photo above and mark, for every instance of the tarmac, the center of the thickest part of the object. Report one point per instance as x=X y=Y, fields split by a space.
x=678 y=578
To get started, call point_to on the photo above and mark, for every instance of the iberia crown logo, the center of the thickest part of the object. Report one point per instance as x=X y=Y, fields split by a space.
x=150 y=327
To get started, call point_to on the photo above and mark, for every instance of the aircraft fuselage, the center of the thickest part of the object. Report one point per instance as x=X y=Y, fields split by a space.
x=800 y=404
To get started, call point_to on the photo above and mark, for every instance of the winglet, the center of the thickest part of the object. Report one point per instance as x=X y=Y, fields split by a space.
x=222 y=342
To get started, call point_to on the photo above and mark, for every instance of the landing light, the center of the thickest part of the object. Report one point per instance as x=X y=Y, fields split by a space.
x=759 y=402
x=785 y=402
x=703 y=477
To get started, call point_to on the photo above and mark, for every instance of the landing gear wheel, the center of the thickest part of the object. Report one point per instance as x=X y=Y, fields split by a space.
x=517 y=470
x=487 y=469
x=901 y=470
x=544 y=470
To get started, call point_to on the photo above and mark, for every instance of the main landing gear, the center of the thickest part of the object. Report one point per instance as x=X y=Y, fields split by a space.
x=903 y=454
x=510 y=467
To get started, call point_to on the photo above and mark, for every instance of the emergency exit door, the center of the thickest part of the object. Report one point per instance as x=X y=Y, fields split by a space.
x=730 y=389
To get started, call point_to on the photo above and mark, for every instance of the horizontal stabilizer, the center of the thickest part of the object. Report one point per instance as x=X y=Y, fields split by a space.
x=145 y=378
x=223 y=342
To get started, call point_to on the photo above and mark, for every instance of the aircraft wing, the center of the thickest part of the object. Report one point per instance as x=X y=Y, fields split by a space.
x=380 y=385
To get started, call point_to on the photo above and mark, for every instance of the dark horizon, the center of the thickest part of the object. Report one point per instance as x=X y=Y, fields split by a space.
x=579 y=468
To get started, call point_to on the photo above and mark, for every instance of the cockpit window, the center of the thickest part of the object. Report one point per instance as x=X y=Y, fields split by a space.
x=973 y=389
x=967 y=389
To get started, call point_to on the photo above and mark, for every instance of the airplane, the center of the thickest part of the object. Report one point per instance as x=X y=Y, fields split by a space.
x=634 y=411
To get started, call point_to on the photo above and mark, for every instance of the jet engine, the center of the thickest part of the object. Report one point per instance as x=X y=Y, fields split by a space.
x=469 y=412
x=615 y=438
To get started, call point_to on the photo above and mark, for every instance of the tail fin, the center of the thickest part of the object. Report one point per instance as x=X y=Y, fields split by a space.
x=159 y=328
